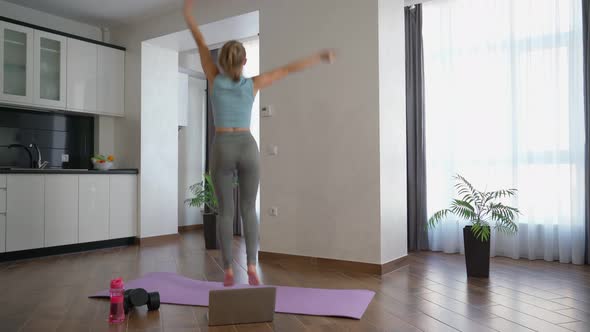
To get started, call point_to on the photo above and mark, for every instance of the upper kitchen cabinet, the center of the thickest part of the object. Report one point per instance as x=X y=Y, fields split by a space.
x=50 y=70
x=111 y=81
x=16 y=63
x=82 y=76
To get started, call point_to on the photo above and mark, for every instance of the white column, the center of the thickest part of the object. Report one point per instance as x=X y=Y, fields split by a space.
x=159 y=142
x=392 y=130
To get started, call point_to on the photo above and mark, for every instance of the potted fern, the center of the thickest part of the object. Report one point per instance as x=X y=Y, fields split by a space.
x=481 y=209
x=204 y=197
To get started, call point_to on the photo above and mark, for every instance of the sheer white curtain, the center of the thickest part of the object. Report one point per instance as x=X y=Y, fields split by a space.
x=504 y=108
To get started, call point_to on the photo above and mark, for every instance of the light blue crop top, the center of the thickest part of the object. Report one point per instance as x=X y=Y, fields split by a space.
x=232 y=102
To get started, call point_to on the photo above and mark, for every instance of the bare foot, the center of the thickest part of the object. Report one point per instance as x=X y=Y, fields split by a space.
x=228 y=281
x=253 y=276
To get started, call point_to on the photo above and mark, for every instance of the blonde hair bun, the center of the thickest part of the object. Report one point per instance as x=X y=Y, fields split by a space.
x=231 y=59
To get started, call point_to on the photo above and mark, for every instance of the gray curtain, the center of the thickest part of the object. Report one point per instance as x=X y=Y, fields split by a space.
x=586 y=27
x=210 y=137
x=416 y=163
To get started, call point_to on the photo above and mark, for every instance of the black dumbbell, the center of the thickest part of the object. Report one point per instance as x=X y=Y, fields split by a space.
x=138 y=297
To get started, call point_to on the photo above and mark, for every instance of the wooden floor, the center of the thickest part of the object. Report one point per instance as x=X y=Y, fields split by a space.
x=432 y=293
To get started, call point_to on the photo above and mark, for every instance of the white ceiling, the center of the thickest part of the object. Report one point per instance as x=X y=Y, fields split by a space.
x=102 y=13
x=239 y=27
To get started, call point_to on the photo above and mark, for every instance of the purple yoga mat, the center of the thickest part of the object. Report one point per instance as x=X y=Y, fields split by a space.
x=176 y=289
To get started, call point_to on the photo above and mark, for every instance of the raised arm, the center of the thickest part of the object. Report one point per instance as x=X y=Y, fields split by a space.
x=264 y=80
x=207 y=62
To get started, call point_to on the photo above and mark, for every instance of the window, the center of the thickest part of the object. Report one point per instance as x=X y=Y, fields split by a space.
x=504 y=104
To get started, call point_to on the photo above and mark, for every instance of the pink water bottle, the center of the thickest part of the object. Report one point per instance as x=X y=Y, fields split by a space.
x=117 y=292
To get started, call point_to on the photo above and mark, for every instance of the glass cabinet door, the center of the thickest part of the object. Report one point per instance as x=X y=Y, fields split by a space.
x=16 y=63
x=50 y=69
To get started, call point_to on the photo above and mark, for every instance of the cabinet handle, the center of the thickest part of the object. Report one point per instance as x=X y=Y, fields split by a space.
x=3 y=189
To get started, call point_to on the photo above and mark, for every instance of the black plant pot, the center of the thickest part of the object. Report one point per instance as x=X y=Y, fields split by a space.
x=477 y=255
x=210 y=230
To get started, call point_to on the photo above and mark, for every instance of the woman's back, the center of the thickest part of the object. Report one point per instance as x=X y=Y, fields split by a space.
x=232 y=102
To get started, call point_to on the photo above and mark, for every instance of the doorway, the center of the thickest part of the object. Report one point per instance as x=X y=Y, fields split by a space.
x=251 y=69
x=170 y=161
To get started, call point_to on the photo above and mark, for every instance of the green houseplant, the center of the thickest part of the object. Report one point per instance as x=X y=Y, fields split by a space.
x=481 y=209
x=204 y=197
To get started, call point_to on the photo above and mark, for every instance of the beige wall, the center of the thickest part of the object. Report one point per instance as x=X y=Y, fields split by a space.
x=326 y=179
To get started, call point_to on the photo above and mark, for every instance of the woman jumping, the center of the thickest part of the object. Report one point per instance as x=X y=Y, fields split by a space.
x=234 y=148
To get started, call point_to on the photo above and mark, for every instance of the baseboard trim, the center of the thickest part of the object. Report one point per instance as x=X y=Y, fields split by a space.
x=341 y=265
x=394 y=265
x=157 y=240
x=67 y=249
x=189 y=228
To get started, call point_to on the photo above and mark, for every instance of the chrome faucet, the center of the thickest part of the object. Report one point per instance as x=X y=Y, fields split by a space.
x=40 y=164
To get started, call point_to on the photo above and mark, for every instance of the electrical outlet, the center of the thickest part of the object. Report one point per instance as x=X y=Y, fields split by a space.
x=273 y=150
x=267 y=111
x=65 y=158
x=274 y=211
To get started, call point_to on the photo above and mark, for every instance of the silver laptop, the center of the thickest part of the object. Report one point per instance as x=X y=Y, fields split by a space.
x=241 y=306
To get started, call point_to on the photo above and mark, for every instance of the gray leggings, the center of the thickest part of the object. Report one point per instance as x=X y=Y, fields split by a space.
x=231 y=152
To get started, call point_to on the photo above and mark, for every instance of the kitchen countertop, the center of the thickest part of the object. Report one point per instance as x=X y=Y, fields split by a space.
x=66 y=171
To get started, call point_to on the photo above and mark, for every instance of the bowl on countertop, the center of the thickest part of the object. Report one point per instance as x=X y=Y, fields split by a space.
x=105 y=166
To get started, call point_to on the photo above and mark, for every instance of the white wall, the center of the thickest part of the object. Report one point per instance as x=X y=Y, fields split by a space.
x=414 y=2
x=36 y=17
x=191 y=151
x=104 y=136
x=159 y=142
x=326 y=178
x=190 y=60
x=392 y=130
x=216 y=33
x=251 y=69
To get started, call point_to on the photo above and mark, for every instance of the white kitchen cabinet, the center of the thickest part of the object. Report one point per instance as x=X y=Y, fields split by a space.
x=111 y=81
x=2 y=200
x=82 y=76
x=2 y=213
x=123 y=206
x=43 y=70
x=50 y=70
x=61 y=210
x=2 y=232
x=3 y=194
x=25 y=213
x=182 y=100
x=16 y=63
x=94 y=208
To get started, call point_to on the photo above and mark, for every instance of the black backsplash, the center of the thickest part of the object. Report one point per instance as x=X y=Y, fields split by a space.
x=55 y=134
